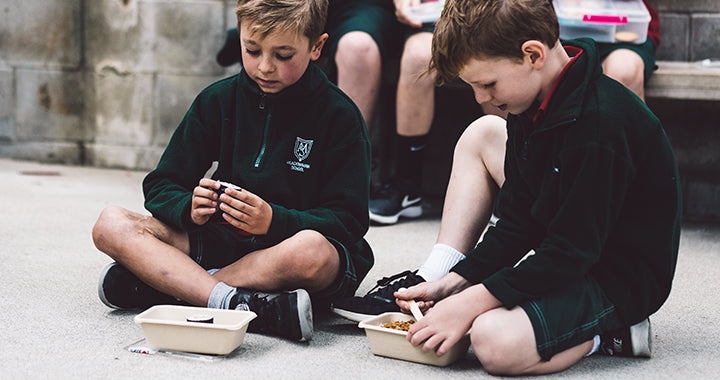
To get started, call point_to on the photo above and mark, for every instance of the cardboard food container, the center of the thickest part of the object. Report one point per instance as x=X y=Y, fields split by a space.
x=603 y=20
x=166 y=327
x=393 y=343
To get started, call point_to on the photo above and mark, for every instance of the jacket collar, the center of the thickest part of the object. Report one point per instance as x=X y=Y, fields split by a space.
x=565 y=100
x=307 y=87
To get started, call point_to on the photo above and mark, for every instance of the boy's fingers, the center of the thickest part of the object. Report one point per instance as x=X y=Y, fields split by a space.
x=209 y=183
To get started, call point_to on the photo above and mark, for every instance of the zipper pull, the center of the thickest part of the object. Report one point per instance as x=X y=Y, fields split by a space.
x=262 y=102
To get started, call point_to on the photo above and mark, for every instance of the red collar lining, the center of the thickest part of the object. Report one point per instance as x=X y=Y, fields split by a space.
x=572 y=51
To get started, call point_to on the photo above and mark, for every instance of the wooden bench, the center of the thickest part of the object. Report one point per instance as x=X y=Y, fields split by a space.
x=685 y=80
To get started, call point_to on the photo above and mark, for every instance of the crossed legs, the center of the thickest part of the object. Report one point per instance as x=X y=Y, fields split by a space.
x=159 y=256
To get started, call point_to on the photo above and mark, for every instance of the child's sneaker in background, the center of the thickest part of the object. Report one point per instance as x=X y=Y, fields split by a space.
x=635 y=341
x=391 y=201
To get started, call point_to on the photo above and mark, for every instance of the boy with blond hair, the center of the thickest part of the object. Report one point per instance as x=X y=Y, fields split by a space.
x=586 y=245
x=293 y=230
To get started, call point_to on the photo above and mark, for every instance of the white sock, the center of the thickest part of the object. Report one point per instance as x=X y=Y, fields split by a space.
x=596 y=345
x=221 y=295
x=441 y=259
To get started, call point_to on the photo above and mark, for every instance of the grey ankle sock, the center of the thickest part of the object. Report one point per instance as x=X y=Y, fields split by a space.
x=221 y=295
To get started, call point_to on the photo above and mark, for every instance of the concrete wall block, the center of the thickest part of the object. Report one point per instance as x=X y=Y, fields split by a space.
x=41 y=32
x=675 y=34
x=189 y=35
x=49 y=105
x=120 y=34
x=7 y=104
x=686 y=5
x=692 y=127
x=123 y=108
x=152 y=36
x=705 y=37
x=174 y=95
x=69 y=153
x=230 y=18
x=123 y=157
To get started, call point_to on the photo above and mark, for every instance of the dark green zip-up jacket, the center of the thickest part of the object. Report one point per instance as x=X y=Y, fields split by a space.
x=593 y=190
x=304 y=150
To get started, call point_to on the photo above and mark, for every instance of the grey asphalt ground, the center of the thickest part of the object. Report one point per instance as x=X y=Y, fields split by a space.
x=52 y=324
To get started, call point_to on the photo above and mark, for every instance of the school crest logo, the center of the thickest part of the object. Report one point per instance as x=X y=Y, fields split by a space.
x=302 y=148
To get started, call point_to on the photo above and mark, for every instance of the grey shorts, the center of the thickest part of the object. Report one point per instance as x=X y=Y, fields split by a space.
x=569 y=317
x=214 y=246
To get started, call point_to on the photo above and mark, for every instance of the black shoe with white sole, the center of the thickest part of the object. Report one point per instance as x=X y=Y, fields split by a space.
x=121 y=289
x=378 y=300
x=286 y=314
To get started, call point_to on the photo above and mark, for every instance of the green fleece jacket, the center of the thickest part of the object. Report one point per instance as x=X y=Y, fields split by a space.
x=304 y=150
x=593 y=189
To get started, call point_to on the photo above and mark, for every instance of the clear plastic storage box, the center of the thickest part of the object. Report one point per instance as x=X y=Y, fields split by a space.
x=603 y=20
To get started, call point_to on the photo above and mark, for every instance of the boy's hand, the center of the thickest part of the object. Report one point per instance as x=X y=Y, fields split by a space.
x=427 y=293
x=400 y=6
x=450 y=319
x=246 y=211
x=204 y=201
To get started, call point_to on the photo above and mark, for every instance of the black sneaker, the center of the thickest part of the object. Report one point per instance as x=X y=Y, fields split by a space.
x=121 y=289
x=390 y=202
x=376 y=302
x=285 y=314
x=633 y=341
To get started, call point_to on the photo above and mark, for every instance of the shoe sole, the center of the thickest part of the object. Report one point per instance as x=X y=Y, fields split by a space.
x=101 y=292
x=355 y=317
x=641 y=339
x=410 y=212
x=305 y=315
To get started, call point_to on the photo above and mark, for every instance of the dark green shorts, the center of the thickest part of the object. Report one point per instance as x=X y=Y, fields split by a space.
x=570 y=317
x=374 y=17
x=216 y=246
x=646 y=51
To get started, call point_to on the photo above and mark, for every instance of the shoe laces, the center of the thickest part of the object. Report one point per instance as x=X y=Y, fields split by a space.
x=386 y=287
x=261 y=304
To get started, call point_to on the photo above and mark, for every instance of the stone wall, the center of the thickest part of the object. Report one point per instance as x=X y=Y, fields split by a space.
x=103 y=82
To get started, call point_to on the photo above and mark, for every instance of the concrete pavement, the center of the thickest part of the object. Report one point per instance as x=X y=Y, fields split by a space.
x=53 y=324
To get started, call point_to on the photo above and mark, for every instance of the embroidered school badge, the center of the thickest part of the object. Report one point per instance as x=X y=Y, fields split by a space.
x=302 y=148
x=301 y=151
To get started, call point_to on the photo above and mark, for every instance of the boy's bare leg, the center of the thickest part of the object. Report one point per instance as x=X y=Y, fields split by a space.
x=504 y=342
x=154 y=252
x=476 y=176
x=415 y=92
x=359 y=67
x=306 y=260
x=628 y=68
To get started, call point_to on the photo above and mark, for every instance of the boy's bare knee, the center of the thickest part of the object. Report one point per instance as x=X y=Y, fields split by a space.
x=115 y=226
x=417 y=55
x=105 y=229
x=357 y=48
x=488 y=129
x=309 y=254
x=492 y=347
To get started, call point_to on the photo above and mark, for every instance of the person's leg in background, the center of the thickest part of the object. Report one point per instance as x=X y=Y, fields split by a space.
x=415 y=102
x=359 y=63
